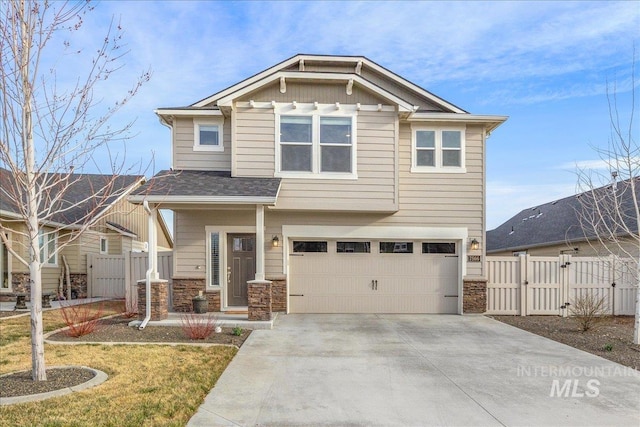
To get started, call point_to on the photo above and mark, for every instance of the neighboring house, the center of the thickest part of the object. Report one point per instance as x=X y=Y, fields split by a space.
x=565 y=226
x=350 y=188
x=117 y=227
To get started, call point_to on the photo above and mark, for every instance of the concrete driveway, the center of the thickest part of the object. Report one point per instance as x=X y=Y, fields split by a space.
x=414 y=370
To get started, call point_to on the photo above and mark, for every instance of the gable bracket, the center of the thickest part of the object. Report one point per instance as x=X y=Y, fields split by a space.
x=283 y=85
x=350 y=87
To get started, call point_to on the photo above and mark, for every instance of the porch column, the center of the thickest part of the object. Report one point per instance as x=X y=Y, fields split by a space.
x=153 y=244
x=259 y=242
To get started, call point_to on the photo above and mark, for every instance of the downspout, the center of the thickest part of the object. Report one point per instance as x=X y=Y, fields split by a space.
x=149 y=270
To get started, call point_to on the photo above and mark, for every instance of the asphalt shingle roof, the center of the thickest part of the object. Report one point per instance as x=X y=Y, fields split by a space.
x=559 y=221
x=80 y=201
x=207 y=184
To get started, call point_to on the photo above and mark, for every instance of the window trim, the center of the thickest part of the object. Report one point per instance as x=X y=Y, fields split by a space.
x=322 y=110
x=219 y=123
x=47 y=257
x=438 y=152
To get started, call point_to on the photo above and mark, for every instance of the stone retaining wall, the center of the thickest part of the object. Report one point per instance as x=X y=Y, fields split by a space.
x=185 y=289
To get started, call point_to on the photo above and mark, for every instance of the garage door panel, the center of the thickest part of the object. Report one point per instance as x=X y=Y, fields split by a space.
x=342 y=282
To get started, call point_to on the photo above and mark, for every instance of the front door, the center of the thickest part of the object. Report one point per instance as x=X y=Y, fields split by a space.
x=241 y=267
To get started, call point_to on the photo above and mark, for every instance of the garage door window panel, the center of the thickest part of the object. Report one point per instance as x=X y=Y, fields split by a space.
x=353 y=247
x=448 y=248
x=309 y=246
x=396 y=247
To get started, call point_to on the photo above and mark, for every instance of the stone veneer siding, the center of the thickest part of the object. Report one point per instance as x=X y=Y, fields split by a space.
x=474 y=296
x=159 y=300
x=20 y=285
x=259 y=295
x=185 y=289
x=278 y=294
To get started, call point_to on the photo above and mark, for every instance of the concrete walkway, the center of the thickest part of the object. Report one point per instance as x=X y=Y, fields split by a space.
x=415 y=370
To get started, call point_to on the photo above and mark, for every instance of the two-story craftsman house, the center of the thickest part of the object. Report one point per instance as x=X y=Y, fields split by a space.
x=348 y=187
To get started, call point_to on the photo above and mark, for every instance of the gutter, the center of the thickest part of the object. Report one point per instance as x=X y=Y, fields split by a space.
x=148 y=274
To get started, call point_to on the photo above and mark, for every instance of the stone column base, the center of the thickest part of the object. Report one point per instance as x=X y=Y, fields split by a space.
x=259 y=296
x=159 y=299
x=474 y=293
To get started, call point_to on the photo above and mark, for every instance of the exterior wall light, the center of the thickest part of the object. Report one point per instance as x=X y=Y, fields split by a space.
x=275 y=241
x=475 y=245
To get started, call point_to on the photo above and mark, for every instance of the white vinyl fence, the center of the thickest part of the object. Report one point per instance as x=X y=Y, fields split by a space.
x=527 y=285
x=117 y=275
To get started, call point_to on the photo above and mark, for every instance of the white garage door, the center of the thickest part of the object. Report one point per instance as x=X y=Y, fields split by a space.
x=333 y=276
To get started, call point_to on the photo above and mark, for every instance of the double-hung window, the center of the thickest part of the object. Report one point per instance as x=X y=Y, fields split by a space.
x=316 y=144
x=48 y=244
x=438 y=149
x=208 y=135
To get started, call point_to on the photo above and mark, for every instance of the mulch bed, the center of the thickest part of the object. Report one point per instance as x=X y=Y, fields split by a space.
x=12 y=313
x=117 y=329
x=21 y=384
x=614 y=332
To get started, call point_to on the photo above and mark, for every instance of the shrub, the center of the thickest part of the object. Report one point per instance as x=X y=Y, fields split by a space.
x=198 y=327
x=237 y=331
x=588 y=309
x=608 y=347
x=80 y=319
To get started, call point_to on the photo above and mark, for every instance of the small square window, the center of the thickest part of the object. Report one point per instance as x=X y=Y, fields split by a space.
x=438 y=150
x=207 y=135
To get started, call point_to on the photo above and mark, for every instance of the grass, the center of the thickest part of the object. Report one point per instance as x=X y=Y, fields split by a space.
x=149 y=385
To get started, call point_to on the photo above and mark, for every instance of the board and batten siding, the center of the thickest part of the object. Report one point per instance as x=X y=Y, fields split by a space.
x=184 y=157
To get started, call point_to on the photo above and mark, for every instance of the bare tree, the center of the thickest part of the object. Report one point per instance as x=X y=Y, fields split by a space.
x=50 y=129
x=610 y=205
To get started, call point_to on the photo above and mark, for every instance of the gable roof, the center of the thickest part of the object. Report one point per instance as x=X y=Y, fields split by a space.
x=82 y=201
x=198 y=186
x=560 y=221
x=357 y=62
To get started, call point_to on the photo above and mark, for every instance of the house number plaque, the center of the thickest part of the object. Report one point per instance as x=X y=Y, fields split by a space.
x=473 y=258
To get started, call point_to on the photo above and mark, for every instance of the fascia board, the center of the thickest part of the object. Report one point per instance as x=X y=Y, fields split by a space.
x=301 y=75
x=492 y=121
x=212 y=200
x=186 y=112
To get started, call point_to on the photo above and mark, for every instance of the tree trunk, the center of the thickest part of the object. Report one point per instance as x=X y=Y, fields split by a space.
x=636 y=329
x=38 y=369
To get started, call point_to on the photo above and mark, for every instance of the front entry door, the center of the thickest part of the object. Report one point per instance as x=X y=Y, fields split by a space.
x=241 y=267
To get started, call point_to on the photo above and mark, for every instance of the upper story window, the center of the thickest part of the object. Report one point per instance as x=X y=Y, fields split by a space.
x=438 y=149
x=208 y=135
x=316 y=143
x=48 y=244
x=104 y=245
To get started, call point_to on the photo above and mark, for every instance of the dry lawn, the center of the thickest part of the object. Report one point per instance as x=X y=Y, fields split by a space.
x=150 y=385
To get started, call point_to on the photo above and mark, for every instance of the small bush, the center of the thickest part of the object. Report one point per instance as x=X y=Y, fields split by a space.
x=198 y=327
x=588 y=309
x=608 y=347
x=237 y=331
x=130 y=308
x=80 y=319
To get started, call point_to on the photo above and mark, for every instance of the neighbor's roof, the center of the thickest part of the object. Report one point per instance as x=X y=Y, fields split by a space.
x=76 y=199
x=195 y=186
x=559 y=221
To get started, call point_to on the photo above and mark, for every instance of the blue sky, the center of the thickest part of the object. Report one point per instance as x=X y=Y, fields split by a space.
x=547 y=65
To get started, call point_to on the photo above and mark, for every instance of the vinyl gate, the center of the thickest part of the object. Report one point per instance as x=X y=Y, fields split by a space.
x=116 y=276
x=527 y=285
